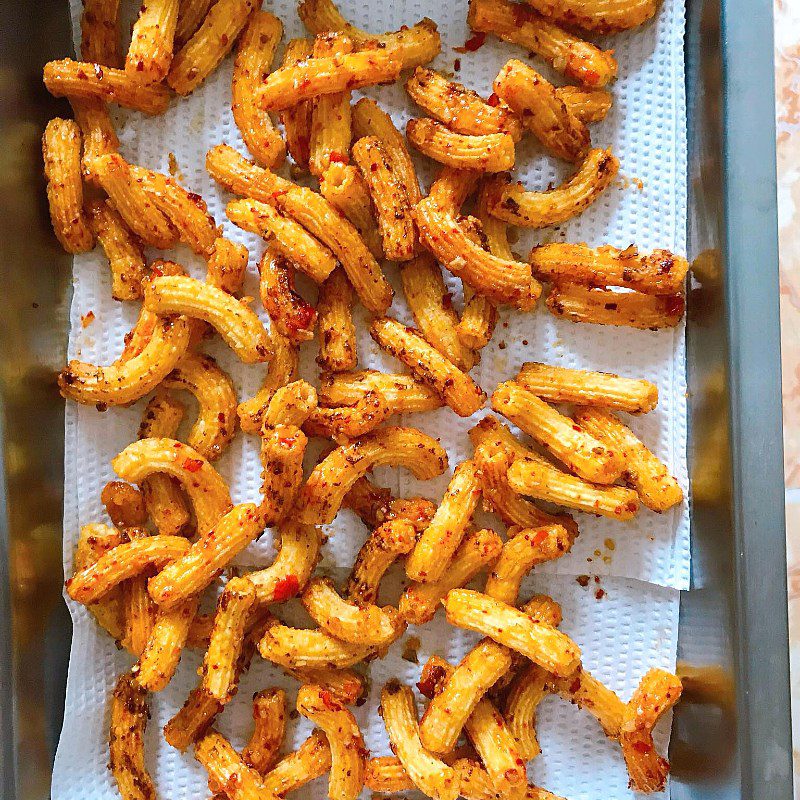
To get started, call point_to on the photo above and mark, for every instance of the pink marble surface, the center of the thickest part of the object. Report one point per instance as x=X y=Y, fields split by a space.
x=787 y=90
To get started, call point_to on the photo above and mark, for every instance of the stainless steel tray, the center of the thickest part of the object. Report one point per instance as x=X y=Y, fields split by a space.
x=732 y=735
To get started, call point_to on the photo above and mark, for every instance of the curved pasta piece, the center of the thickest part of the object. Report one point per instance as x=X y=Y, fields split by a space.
x=207 y=491
x=386 y=774
x=124 y=504
x=269 y=717
x=122 y=562
x=254 y=54
x=383 y=546
x=500 y=279
x=585 y=691
x=477 y=784
x=419 y=601
x=461 y=109
x=429 y=773
x=436 y=545
x=290 y=314
x=126 y=380
x=427 y=364
x=324 y=491
x=215 y=425
x=599 y=16
x=542 y=111
x=297 y=119
x=285 y=236
x=338 y=342
x=403 y=393
x=227 y=265
x=413 y=45
x=513 y=203
x=348 y=751
x=282 y=451
x=655 y=696
x=660 y=272
x=295 y=648
x=588 y=105
x=236 y=323
x=193 y=571
x=100 y=32
x=129 y=715
x=311 y=760
x=491 y=152
x=150 y=51
x=375 y=506
x=349 y=422
x=355 y=623
x=527 y=690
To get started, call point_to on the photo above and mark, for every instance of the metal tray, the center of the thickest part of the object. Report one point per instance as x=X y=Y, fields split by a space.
x=731 y=735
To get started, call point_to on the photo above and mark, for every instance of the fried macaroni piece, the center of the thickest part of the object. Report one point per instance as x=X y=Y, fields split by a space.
x=389 y=197
x=285 y=236
x=348 y=751
x=521 y=553
x=477 y=784
x=646 y=473
x=541 y=643
x=413 y=46
x=655 y=696
x=344 y=188
x=461 y=692
x=236 y=322
x=209 y=44
x=585 y=691
x=431 y=305
x=659 y=272
x=129 y=714
x=162 y=653
x=207 y=491
x=606 y=307
x=568 y=54
x=194 y=570
x=297 y=119
x=596 y=389
x=330 y=116
x=491 y=152
x=501 y=280
x=291 y=316
x=295 y=648
x=428 y=365
x=515 y=204
x=542 y=111
x=215 y=425
x=94 y=541
x=323 y=493
x=254 y=55
x=61 y=150
x=90 y=81
x=386 y=774
x=403 y=393
x=428 y=773
x=436 y=545
x=193 y=719
x=527 y=690
x=124 y=504
x=588 y=105
x=310 y=761
x=599 y=16
x=124 y=561
x=100 y=32
x=150 y=51
x=292 y=568
x=337 y=332
x=349 y=422
x=560 y=435
x=419 y=601
x=540 y=480
x=312 y=211
x=369 y=119
x=97 y=129
x=281 y=370
x=227 y=265
x=316 y=76
x=459 y=108
x=135 y=204
x=162 y=494
x=122 y=248
x=226 y=770
x=355 y=623
x=484 y=726
x=191 y=14
x=383 y=547
x=269 y=717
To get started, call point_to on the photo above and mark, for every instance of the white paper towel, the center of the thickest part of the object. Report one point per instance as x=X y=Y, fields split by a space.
x=622 y=635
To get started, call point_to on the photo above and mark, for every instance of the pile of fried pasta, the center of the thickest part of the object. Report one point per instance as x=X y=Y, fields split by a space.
x=174 y=528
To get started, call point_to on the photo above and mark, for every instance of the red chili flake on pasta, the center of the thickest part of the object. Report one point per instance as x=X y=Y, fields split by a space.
x=539 y=537
x=193 y=465
x=642 y=747
x=286 y=587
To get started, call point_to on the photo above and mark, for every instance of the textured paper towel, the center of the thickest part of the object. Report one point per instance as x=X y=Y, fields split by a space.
x=645 y=128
